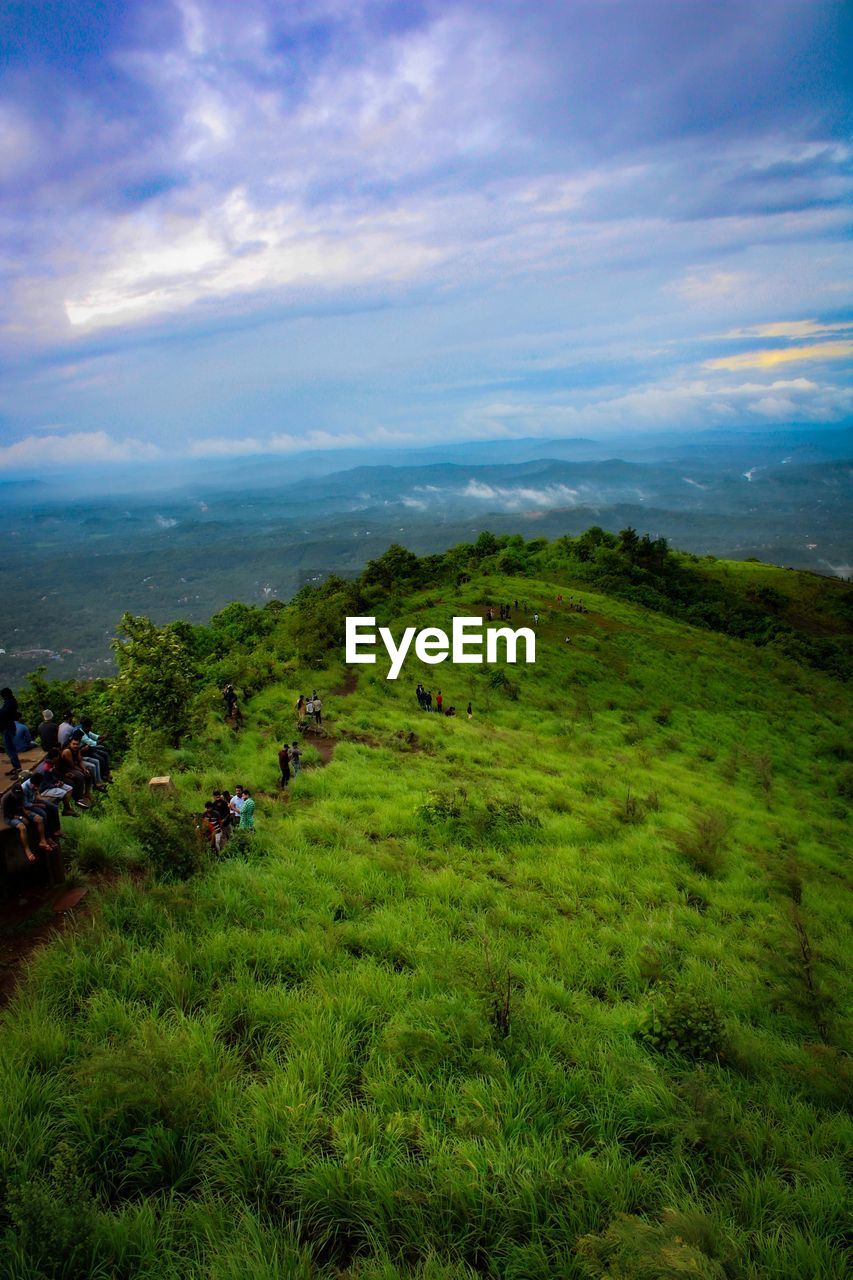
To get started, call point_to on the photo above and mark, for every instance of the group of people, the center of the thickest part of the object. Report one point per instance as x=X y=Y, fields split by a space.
x=427 y=703
x=310 y=709
x=504 y=611
x=75 y=762
x=225 y=813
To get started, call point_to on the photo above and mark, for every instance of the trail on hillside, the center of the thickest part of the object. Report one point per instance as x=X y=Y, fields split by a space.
x=320 y=739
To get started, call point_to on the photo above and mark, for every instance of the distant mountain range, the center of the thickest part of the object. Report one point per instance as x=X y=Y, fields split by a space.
x=72 y=561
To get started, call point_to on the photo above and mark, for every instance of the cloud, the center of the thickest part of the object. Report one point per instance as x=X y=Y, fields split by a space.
x=291 y=442
x=769 y=358
x=706 y=286
x=426 y=219
x=554 y=495
x=689 y=404
x=78 y=448
x=790 y=329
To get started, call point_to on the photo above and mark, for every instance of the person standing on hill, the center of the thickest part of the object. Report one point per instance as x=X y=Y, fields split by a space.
x=309 y=708
x=222 y=809
x=295 y=758
x=211 y=825
x=439 y=701
x=318 y=710
x=470 y=712
x=247 y=813
x=300 y=707
x=284 y=766
x=237 y=801
x=8 y=716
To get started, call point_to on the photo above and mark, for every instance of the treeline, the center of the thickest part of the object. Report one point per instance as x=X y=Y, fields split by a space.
x=170 y=677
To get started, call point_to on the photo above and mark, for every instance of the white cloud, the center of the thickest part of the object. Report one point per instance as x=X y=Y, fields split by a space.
x=236 y=249
x=554 y=495
x=77 y=448
x=788 y=329
x=706 y=286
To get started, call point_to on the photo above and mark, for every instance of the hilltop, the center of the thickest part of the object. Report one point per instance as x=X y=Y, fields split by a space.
x=557 y=991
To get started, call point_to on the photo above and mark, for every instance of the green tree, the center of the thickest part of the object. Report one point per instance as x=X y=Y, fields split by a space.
x=154 y=685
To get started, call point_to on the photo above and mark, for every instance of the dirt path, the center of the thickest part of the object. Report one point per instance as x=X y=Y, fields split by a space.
x=319 y=738
x=349 y=685
x=27 y=922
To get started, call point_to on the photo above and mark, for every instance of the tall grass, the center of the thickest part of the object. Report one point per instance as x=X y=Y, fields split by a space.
x=290 y=1062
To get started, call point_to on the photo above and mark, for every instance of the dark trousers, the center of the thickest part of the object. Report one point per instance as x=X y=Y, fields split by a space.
x=9 y=744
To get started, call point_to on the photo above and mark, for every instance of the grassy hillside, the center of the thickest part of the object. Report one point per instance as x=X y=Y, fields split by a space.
x=555 y=992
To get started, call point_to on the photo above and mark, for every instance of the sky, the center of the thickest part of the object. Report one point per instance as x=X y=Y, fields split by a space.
x=234 y=229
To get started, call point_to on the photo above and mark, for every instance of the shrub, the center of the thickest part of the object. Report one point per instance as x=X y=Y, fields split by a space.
x=241 y=844
x=508 y=813
x=168 y=835
x=470 y=821
x=844 y=786
x=440 y=807
x=703 y=844
x=685 y=1023
x=54 y=1217
x=631 y=1249
x=629 y=810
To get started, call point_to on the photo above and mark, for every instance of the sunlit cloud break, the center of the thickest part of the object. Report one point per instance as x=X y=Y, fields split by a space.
x=236 y=229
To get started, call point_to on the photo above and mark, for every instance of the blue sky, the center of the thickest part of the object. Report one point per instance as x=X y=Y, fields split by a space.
x=236 y=228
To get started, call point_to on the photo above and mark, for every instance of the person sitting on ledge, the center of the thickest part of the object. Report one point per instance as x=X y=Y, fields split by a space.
x=48 y=731
x=51 y=786
x=88 y=763
x=15 y=816
x=74 y=771
x=23 y=737
x=66 y=727
x=37 y=805
x=93 y=747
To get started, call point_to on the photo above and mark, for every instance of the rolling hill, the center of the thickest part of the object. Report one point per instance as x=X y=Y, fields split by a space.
x=555 y=991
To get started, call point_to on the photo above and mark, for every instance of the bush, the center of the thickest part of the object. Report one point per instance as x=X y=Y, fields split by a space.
x=472 y=821
x=703 y=845
x=686 y=1023
x=54 y=1218
x=241 y=844
x=508 y=813
x=683 y=1244
x=440 y=807
x=844 y=786
x=168 y=835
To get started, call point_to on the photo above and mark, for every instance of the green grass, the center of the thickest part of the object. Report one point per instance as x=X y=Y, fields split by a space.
x=414 y=1032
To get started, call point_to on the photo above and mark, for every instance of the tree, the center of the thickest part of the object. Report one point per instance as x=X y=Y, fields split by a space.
x=395 y=568
x=154 y=685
